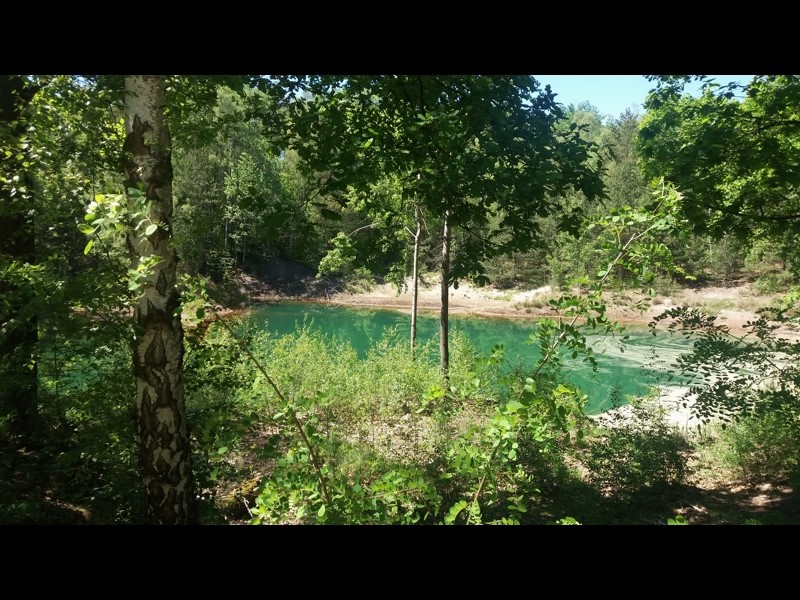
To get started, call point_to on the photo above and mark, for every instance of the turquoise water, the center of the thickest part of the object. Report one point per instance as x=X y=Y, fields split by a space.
x=643 y=362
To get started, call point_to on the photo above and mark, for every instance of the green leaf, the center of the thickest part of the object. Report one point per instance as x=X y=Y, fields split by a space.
x=151 y=229
x=454 y=511
x=88 y=247
x=321 y=511
x=514 y=406
x=368 y=143
x=201 y=312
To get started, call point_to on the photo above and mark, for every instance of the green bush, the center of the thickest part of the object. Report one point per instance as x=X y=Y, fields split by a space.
x=636 y=453
x=83 y=454
x=762 y=447
x=365 y=417
x=725 y=259
x=772 y=283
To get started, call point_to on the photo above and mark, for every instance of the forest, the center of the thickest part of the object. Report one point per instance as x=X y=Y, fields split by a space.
x=145 y=221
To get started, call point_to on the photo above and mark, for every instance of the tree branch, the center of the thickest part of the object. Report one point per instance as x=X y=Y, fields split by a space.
x=314 y=460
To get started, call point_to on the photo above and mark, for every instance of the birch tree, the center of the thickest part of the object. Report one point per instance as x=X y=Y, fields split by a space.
x=158 y=348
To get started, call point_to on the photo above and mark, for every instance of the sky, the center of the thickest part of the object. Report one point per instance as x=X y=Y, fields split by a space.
x=612 y=94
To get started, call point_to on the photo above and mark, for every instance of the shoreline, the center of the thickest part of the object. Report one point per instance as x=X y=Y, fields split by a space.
x=671 y=400
x=520 y=305
x=532 y=304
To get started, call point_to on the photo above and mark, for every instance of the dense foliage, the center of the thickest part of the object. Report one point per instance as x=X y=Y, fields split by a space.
x=362 y=179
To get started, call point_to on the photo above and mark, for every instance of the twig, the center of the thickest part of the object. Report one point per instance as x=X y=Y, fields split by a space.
x=289 y=409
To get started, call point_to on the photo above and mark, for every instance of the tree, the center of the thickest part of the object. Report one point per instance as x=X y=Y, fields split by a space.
x=386 y=239
x=483 y=154
x=158 y=352
x=18 y=314
x=732 y=156
x=626 y=184
x=78 y=132
x=232 y=193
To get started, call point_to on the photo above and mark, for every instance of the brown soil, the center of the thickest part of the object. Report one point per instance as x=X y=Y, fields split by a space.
x=734 y=305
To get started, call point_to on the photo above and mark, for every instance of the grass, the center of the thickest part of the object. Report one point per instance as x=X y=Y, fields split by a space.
x=642 y=472
x=379 y=416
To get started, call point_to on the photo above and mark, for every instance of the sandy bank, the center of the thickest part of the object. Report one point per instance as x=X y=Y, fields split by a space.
x=532 y=303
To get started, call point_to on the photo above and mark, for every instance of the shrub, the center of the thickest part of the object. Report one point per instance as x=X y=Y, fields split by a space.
x=640 y=452
x=764 y=446
x=772 y=283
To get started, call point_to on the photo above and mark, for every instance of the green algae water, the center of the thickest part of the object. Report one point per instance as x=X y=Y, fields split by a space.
x=630 y=369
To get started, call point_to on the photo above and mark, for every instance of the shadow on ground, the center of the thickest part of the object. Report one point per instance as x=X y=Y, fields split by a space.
x=767 y=504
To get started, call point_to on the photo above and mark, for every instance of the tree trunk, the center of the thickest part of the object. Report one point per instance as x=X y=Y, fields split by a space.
x=444 y=327
x=415 y=281
x=18 y=336
x=158 y=349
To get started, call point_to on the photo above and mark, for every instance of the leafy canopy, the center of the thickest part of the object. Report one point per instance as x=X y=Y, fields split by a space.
x=732 y=151
x=485 y=151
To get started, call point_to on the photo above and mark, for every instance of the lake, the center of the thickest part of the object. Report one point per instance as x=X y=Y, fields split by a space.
x=644 y=361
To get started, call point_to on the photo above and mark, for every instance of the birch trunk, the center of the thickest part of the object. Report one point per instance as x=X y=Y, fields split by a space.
x=158 y=348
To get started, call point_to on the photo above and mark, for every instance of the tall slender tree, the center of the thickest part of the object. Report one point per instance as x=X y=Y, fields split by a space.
x=491 y=157
x=158 y=349
x=416 y=236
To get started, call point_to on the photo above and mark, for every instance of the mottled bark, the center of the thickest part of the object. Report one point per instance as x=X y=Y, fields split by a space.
x=444 y=325
x=158 y=348
x=18 y=321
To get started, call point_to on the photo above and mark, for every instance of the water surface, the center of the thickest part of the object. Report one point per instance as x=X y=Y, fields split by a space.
x=629 y=369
